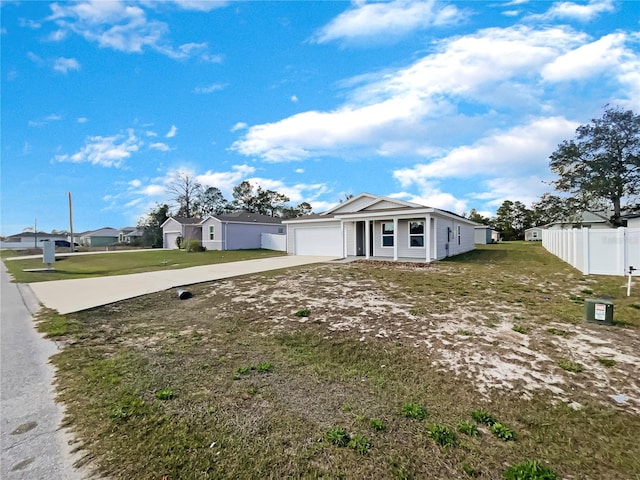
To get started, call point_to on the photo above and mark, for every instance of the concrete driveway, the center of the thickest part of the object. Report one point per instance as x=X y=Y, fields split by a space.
x=68 y=296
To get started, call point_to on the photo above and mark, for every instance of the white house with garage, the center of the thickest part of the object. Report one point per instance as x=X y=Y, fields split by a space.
x=371 y=226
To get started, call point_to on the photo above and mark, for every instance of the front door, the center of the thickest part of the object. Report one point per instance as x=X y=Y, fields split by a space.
x=360 y=239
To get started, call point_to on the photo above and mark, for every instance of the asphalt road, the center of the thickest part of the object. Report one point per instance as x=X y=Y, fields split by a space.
x=32 y=444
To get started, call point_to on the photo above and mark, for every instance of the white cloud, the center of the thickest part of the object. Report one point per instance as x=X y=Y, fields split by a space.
x=239 y=126
x=432 y=196
x=104 y=151
x=154 y=190
x=162 y=147
x=589 y=60
x=135 y=183
x=82 y=120
x=381 y=21
x=201 y=5
x=225 y=181
x=214 y=87
x=576 y=11
x=172 y=132
x=63 y=65
x=415 y=109
x=294 y=98
x=125 y=26
x=520 y=149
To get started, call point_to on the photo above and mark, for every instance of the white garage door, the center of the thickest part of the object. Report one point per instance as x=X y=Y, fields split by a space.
x=170 y=240
x=319 y=241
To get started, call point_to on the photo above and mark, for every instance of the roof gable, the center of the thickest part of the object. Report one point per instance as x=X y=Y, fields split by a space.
x=368 y=202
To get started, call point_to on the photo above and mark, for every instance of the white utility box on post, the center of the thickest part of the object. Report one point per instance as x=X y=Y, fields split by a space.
x=48 y=252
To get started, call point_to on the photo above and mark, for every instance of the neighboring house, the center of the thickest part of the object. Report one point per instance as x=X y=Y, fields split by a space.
x=585 y=219
x=129 y=235
x=484 y=234
x=180 y=227
x=533 y=234
x=632 y=219
x=103 y=237
x=29 y=239
x=370 y=226
x=233 y=231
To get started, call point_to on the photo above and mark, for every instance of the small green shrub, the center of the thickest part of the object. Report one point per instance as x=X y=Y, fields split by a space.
x=444 y=436
x=531 y=470
x=502 y=432
x=607 y=362
x=193 y=245
x=338 y=436
x=376 y=424
x=164 y=394
x=303 y=312
x=414 y=410
x=484 y=417
x=360 y=444
x=570 y=366
x=468 y=428
x=264 y=367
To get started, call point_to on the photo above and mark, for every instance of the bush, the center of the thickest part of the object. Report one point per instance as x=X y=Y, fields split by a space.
x=193 y=245
x=531 y=470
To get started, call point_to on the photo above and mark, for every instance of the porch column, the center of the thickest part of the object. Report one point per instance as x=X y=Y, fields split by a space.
x=367 y=238
x=395 y=239
x=427 y=237
x=344 y=239
x=434 y=255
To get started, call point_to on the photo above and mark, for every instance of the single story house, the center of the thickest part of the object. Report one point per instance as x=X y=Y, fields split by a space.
x=533 y=234
x=585 y=219
x=102 y=237
x=371 y=226
x=632 y=219
x=233 y=231
x=129 y=234
x=484 y=234
x=30 y=239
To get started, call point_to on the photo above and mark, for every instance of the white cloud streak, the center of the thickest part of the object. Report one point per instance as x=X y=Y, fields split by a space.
x=381 y=21
x=63 y=65
x=105 y=151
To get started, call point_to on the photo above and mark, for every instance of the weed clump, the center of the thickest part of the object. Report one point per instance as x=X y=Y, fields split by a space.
x=483 y=417
x=531 y=470
x=414 y=410
x=444 y=436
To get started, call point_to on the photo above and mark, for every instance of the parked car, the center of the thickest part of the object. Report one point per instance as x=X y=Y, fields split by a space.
x=64 y=243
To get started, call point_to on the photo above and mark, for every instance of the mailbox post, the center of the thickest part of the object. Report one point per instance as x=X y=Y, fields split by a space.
x=48 y=252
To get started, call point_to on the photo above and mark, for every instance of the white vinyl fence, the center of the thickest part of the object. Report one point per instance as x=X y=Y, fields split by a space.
x=599 y=251
x=273 y=241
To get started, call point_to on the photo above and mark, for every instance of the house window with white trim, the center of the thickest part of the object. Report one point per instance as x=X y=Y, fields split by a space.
x=459 y=234
x=387 y=234
x=416 y=234
x=212 y=232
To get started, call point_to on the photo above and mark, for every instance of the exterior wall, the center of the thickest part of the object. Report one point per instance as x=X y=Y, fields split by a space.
x=240 y=236
x=170 y=231
x=447 y=237
x=217 y=243
x=356 y=205
x=351 y=239
x=633 y=222
x=482 y=236
x=533 y=234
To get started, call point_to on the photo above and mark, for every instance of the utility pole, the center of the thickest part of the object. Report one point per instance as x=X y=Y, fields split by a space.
x=71 y=223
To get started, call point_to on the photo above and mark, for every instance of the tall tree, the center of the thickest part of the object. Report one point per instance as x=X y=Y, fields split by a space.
x=512 y=219
x=603 y=161
x=243 y=197
x=303 y=208
x=151 y=226
x=185 y=191
x=211 y=202
x=269 y=202
x=474 y=216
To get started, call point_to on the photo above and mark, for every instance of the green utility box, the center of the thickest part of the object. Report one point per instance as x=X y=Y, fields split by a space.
x=598 y=310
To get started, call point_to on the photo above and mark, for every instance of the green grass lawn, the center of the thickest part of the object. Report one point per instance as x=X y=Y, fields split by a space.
x=363 y=370
x=122 y=263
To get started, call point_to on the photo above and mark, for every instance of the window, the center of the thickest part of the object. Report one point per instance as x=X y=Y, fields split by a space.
x=416 y=234
x=534 y=234
x=280 y=229
x=212 y=232
x=459 y=234
x=387 y=234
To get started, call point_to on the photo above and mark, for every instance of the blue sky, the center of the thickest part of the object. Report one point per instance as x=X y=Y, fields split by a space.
x=455 y=105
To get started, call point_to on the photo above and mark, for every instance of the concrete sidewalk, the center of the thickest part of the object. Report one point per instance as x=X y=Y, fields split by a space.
x=68 y=296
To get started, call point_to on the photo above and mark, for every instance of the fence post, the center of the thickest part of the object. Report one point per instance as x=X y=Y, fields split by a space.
x=586 y=251
x=622 y=250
